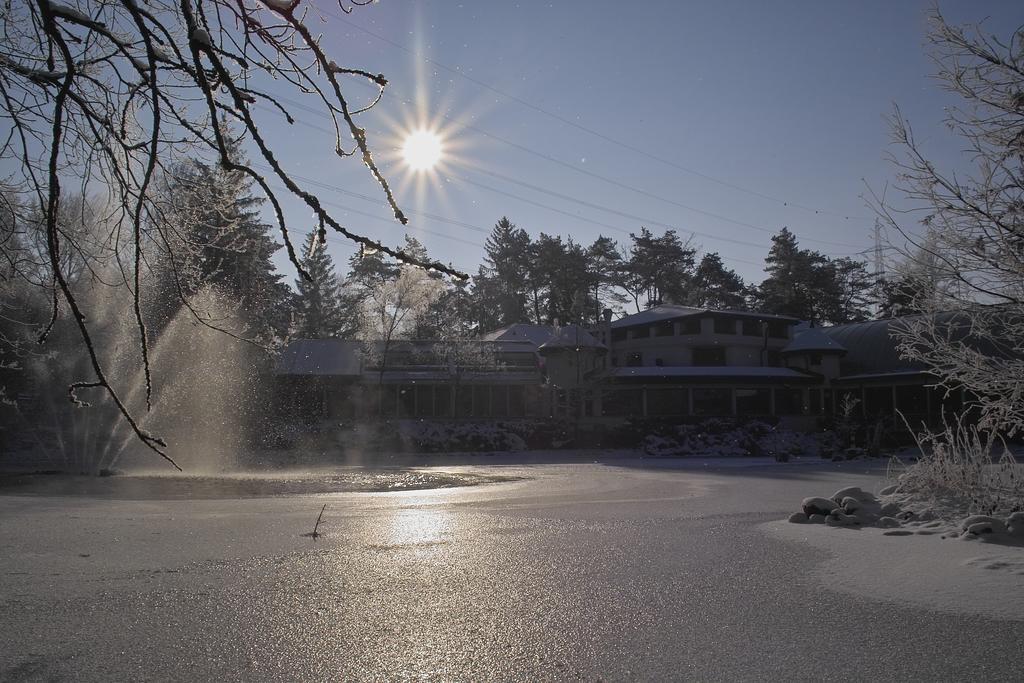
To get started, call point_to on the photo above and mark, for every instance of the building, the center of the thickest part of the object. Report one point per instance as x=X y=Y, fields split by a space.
x=666 y=362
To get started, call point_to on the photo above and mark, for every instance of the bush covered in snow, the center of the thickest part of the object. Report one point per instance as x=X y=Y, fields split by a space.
x=901 y=514
x=971 y=470
x=444 y=436
x=439 y=437
x=718 y=437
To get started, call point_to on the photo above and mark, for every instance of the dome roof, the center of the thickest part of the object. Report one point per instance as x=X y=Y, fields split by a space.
x=571 y=337
x=813 y=340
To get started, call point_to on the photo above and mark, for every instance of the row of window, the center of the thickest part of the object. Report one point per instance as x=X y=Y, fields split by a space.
x=690 y=326
x=472 y=400
x=708 y=401
x=503 y=363
x=702 y=356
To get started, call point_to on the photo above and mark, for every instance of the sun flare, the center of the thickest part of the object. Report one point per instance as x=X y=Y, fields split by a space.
x=422 y=150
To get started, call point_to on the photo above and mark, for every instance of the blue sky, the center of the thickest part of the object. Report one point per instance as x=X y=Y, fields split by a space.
x=725 y=120
x=781 y=103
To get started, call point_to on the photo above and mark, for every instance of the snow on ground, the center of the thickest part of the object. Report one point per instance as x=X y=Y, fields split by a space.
x=925 y=570
x=621 y=569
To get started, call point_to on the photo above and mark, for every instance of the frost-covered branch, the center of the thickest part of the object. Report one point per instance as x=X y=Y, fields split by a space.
x=108 y=96
x=965 y=268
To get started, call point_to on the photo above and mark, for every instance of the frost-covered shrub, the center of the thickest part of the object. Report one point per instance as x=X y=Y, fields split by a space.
x=724 y=438
x=441 y=437
x=966 y=468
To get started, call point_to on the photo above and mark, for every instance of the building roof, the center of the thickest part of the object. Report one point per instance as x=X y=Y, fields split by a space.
x=813 y=340
x=545 y=336
x=322 y=357
x=673 y=312
x=870 y=348
x=535 y=334
x=730 y=371
x=571 y=337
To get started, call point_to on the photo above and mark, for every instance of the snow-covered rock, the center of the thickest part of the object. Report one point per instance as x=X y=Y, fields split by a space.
x=976 y=525
x=818 y=506
x=839 y=518
x=855 y=492
x=1015 y=524
x=798 y=518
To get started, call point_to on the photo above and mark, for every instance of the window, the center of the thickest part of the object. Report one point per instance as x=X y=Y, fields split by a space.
x=778 y=329
x=442 y=401
x=499 y=401
x=878 y=401
x=665 y=329
x=387 y=395
x=516 y=401
x=911 y=400
x=641 y=332
x=753 y=401
x=464 y=401
x=424 y=400
x=406 y=401
x=482 y=401
x=709 y=356
x=752 y=328
x=712 y=402
x=815 y=359
x=689 y=326
x=663 y=401
x=623 y=402
x=659 y=362
x=635 y=360
x=725 y=326
x=619 y=334
x=789 y=401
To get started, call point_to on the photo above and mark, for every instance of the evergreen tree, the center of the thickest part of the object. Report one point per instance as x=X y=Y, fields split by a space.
x=604 y=264
x=715 y=286
x=507 y=263
x=319 y=312
x=484 y=312
x=855 y=288
x=809 y=286
x=368 y=268
x=659 y=269
x=794 y=285
x=221 y=243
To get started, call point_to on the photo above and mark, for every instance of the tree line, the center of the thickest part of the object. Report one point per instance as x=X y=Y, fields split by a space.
x=552 y=279
x=221 y=243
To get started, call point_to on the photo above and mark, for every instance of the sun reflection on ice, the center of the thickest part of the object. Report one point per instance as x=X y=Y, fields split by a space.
x=420 y=526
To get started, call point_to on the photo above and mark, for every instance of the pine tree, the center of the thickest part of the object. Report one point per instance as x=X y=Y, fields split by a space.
x=805 y=284
x=507 y=263
x=319 y=312
x=659 y=269
x=855 y=288
x=604 y=263
x=221 y=243
x=715 y=286
x=794 y=285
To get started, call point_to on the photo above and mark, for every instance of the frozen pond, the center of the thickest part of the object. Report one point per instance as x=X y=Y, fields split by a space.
x=619 y=570
x=243 y=485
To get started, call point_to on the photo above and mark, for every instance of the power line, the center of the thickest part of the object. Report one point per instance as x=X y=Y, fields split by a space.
x=591 y=131
x=598 y=176
x=583 y=202
x=639 y=220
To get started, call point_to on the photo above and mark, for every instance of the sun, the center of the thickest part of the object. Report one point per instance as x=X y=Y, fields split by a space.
x=422 y=150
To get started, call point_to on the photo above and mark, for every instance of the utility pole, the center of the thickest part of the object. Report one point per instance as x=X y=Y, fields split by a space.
x=879 y=266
